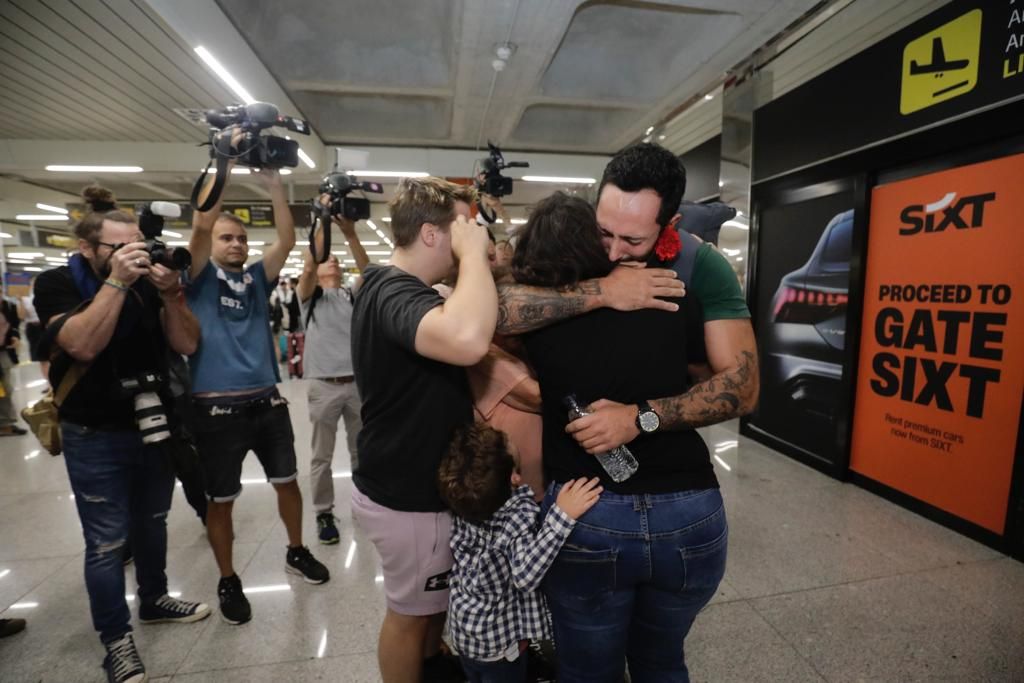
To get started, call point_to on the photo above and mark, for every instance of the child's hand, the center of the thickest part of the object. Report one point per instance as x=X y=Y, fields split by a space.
x=578 y=496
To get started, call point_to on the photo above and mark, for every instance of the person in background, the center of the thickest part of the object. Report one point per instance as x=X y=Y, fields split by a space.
x=11 y=335
x=331 y=389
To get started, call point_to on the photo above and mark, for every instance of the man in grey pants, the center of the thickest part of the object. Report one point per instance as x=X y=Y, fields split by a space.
x=327 y=314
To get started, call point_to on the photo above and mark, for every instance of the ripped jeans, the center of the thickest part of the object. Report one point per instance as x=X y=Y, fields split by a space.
x=123 y=492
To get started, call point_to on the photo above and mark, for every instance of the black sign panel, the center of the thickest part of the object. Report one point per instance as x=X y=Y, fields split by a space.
x=961 y=58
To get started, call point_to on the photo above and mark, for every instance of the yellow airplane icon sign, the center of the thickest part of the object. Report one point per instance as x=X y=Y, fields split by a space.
x=941 y=64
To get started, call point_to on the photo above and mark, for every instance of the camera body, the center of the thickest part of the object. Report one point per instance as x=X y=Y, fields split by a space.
x=492 y=182
x=149 y=410
x=255 y=150
x=151 y=223
x=338 y=186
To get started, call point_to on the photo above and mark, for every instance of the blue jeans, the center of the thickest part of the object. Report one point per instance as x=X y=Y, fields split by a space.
x=502 y=671
x=123 y=493
x=629 y=582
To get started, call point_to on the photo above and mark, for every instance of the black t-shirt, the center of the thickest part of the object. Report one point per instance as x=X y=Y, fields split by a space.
x=411 y=404
x=96 y=399
x=628 y=358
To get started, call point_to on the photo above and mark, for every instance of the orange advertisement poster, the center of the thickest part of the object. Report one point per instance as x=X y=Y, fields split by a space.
x=942 y=341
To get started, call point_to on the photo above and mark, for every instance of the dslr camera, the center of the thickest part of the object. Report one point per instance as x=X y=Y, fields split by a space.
x=149 y=410
x=489 y=179
x=151 y=223
x=338 y=186
x=255 y=150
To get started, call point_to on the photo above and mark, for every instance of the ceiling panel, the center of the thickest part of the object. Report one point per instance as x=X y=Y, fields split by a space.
x=341 y=117
x=634 y=52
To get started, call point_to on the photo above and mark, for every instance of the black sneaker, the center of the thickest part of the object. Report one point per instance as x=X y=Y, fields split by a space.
x=234 y=606
x=168 y=609
x=122 y=662
x=443 y=668
x=328 y=532
x=300 y=561
x=8 y=627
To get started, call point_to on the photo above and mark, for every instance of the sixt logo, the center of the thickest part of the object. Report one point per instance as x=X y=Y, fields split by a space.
x=938 y=216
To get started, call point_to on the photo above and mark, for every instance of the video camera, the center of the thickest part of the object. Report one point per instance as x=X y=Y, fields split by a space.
x=151 y=222
x=338 y=185
x=253 y=150
x=493 y=183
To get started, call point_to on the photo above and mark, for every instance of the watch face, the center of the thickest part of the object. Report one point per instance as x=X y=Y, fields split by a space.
x=649 y=421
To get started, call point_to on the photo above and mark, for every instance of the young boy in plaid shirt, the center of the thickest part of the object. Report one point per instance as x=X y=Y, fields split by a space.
x=502 y=552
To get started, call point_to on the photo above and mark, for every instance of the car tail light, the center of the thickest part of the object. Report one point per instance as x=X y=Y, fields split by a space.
x=807 y=307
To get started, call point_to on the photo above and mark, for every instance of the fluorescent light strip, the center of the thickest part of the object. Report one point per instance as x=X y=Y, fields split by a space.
x=5 y=235
x=32 y=269
x=518 y=221
x=558 y=179
x=171 y=233
x=257 y=244
x=386 y=219
x=57 y=259
x=275 y=588
x=25 y=254
x=391 y=174
x=369 y=244
x=305 y=158
x=40 y=217
x=50 y=207
x=71 y=168
x=225 y=75
x=177 y=243
x=378 y=253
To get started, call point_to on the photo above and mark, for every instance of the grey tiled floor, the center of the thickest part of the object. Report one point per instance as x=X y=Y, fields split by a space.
x=825 y=582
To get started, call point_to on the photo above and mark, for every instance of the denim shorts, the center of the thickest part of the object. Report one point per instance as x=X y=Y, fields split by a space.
x=226 y=429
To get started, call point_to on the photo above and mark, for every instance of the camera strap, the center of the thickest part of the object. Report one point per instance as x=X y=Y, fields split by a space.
x=222 y=155
x=320 y=214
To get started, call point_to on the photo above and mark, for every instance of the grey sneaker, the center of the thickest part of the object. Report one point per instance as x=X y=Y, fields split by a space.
x=122 y=662
x=167 y=609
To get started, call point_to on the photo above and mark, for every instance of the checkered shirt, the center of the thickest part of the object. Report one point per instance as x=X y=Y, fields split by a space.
x=499 y=565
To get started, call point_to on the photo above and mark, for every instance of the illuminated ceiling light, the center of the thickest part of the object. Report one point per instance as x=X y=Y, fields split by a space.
x=240 y=171
x=93 y=169
x=49 y=207
x=518 y=221
x=257 y=244
x=178 y=243
x=171 y=233
x=57 y=259
x=225 y=75
x=391 y=174
x=302 y=243
x=40 y=217
x=386 y=219
x=558 y=179
x=371 y=243
x=33 y=269
x=305 y=158
x=6 y=235
x=285 y=171
x=255 y=252
x=378 y=253
x=25 y=254
x=650 y=129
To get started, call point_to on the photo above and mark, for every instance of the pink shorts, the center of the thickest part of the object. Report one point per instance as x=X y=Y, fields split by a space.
x=414 y=553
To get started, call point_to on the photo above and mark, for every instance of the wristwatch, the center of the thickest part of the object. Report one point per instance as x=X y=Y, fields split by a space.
x=647 y=421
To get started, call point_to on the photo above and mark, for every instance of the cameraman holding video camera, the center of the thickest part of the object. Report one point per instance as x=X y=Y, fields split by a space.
x=110 y=316
x=234 y=377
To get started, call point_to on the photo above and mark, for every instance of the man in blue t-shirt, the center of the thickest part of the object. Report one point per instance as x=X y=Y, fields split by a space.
x=234 y=375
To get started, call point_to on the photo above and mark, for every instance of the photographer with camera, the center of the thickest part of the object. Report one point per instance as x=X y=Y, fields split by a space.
x=327 y=314
x=234 y=377
x=110 y=316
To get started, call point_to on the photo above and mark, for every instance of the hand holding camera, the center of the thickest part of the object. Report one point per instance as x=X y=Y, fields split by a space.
x=129 y=263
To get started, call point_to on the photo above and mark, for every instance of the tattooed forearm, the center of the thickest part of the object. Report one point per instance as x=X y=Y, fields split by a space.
x=522 y=308
x=724 y=396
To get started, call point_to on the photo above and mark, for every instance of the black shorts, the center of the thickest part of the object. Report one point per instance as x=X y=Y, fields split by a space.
x=227 y=428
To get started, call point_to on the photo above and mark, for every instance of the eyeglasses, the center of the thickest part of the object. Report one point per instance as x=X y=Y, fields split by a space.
x=113 y=247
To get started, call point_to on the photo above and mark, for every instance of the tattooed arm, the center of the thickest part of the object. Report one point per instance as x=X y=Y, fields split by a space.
x=732 y=389
x=523 y=308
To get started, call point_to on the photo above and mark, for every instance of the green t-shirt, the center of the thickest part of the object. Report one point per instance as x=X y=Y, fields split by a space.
x=715 y=285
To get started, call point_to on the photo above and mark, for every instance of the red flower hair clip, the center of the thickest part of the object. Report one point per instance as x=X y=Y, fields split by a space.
x=668 y=244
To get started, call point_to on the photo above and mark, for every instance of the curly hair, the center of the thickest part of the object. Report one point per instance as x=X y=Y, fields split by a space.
x=100 y=206
x=560 y=245
x=475 y=474
x=647 y=166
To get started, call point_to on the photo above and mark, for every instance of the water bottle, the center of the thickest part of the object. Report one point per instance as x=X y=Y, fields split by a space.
x=619 y=463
